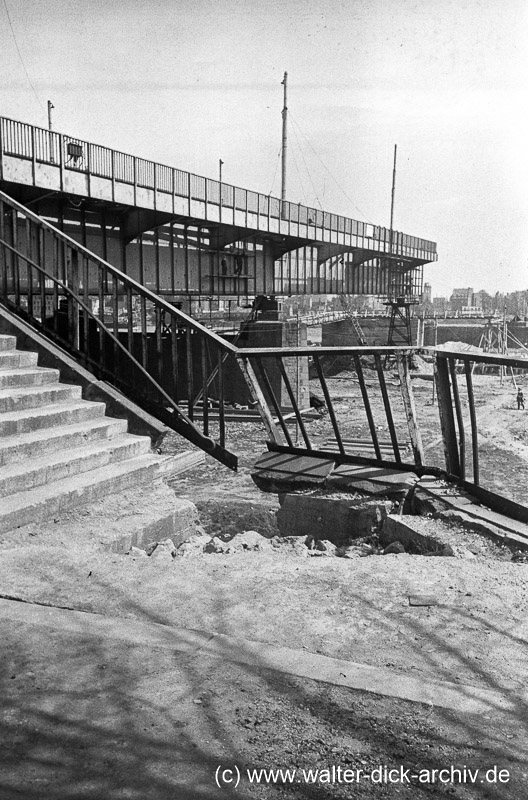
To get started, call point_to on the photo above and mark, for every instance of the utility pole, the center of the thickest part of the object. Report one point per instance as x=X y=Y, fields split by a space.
x=504 y=344
x=50 y=106
x=220 y=165
x=284 y=135
x=392 y=199
x=435 y=346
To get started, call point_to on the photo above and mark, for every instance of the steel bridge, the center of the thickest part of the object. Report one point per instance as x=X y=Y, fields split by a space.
x=184 y=235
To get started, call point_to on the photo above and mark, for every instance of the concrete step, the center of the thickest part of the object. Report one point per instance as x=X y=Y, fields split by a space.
x=49 y=416
x=44 y=502
x=17 y=358
x=7 y=342
x=20 y=376
x=49 y=440
x=30 y=473
x=26 y=397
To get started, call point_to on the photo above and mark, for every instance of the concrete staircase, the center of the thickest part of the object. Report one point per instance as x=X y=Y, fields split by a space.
x=57 y=450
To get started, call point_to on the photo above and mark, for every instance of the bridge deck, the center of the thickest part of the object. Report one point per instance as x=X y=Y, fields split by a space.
x=37 y=157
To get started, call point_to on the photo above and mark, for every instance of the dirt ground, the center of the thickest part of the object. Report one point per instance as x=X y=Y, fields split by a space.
x=474 y=632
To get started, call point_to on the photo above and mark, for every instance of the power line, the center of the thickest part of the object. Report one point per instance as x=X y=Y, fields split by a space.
x=330 y=173
x=276 y=168
x=307 y=170
x=39 y=101
x=305 y=200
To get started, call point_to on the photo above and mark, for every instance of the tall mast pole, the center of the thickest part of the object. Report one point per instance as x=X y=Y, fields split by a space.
x=284 y=135
x=50 y=106
x=392 y=197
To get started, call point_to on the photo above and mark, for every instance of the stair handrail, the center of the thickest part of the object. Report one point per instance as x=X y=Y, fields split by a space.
x=122 y=276
x=199 y=437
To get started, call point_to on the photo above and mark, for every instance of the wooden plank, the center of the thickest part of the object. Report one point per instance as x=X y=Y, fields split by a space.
x=410 y=409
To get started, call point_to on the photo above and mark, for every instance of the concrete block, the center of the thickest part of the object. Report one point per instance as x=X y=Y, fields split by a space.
x=401 y=529
x=397 y=529
x=336 y=519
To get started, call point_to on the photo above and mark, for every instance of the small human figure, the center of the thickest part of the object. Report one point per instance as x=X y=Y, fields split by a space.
x=520 y=399
x=239 y=264
x=223 y=264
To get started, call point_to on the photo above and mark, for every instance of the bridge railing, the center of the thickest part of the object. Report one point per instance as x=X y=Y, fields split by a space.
x=377 y=416
x=165 y=361
x=41 y=146
x=317 y=364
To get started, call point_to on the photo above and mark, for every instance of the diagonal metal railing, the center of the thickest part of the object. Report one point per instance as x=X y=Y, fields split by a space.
x=436 y=435
x=157 y=355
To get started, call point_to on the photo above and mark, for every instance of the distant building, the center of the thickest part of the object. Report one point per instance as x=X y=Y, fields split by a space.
x=459 y=299
x=440 y=306
x=426 y=294
x=471 y=311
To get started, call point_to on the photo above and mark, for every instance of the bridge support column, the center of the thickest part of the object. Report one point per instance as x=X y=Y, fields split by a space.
x=275 y=333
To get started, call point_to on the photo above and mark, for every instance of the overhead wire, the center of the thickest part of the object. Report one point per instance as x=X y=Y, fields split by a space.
x=307 y=170
x=39 y=101
x=299 y=176
x=329 y=171
x=276 y=168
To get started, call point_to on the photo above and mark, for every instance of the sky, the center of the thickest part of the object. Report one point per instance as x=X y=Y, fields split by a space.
x=190 y=82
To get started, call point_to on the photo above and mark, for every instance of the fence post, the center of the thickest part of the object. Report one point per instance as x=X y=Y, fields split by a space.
x=447 y=420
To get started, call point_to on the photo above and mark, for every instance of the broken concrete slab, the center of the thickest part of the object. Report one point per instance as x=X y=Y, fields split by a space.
x=452 y=503
x=284 y=472
x=331 y=517
x=435 y=495
x=400 y=529
x=417 y=535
